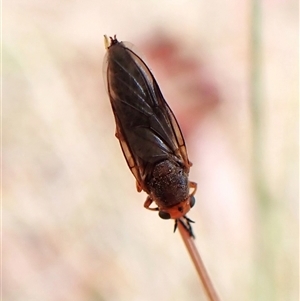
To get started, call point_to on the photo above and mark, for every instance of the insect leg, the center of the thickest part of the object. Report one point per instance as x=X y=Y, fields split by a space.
x=186 y=223
x=147 y=204
x=193 y=185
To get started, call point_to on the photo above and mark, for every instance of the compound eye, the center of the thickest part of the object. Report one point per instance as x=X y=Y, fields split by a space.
x=192 y=201
x=164 y=215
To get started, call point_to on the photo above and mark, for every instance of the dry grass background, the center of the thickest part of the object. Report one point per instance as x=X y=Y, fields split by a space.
x=74 y=227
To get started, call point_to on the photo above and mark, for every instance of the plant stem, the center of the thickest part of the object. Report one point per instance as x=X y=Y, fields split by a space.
x=198 y=263
x=265 y=259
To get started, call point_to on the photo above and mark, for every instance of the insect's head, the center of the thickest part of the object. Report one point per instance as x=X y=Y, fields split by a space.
x=178 y=210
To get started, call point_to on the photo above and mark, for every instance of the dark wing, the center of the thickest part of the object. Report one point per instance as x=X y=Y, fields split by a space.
x=146 y=126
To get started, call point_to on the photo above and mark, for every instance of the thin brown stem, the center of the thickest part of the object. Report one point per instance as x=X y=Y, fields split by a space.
x=198 y=263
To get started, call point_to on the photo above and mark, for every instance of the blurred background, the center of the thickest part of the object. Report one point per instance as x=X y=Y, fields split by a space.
x=74 y=226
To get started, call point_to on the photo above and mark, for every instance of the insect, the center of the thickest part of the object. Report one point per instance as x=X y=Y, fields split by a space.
x=149 y=134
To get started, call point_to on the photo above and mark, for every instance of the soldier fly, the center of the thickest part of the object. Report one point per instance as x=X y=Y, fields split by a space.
x=149 y=134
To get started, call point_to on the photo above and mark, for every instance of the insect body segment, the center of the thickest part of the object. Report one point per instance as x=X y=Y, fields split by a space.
x=148 y=132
